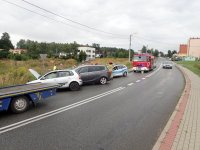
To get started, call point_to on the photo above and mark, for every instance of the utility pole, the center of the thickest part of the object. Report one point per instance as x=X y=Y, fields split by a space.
x=130 y=49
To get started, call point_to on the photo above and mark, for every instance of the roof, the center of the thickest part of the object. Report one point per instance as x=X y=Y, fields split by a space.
x=183 y=49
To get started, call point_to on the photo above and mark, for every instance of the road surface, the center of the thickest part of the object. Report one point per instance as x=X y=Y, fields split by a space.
x=126 y=114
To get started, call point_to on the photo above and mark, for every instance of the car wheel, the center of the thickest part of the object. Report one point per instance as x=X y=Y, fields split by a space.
x=125 y=74
x=19 y=104
x=103 y=80
x=74 y=86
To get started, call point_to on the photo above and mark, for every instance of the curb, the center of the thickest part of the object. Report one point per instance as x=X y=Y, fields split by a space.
x=168 y=135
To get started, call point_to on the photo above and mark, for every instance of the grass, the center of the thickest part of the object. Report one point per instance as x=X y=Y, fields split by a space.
x=194 y=66
x=16 y=72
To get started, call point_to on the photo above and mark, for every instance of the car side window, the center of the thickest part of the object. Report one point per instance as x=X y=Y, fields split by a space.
x=120 y=67
x=83 y=70
x=100 y=68
x=51 y=75
x=115 y=68
x=92 y=68
x=63 y=74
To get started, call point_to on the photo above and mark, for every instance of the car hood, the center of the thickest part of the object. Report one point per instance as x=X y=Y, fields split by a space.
x=34 y=73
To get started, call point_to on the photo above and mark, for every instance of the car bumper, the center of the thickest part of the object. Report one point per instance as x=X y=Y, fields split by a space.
x=167 y=67
x=140 y=69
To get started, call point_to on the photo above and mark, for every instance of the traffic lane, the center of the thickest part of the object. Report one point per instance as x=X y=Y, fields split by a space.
x=128 y=119
x=65 y=97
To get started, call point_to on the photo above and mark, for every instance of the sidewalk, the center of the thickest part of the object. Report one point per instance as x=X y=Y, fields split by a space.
x=182 y=131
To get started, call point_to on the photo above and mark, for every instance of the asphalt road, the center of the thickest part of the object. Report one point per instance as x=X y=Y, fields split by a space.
x=126 y=114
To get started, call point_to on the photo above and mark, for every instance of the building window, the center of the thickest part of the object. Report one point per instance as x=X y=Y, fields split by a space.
x=89 y=51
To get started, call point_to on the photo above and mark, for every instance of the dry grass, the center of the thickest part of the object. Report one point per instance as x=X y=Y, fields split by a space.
x=16 y=72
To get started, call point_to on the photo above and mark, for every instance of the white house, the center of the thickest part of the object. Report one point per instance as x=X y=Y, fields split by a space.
x=90 y=52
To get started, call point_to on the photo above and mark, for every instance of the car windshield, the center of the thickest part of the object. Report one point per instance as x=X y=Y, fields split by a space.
x=139 y=58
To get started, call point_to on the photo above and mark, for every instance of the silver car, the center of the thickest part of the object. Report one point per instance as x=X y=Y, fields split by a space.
x=65 y=78
x=167 y=65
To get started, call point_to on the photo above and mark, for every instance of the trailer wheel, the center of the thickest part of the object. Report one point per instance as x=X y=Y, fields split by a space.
x=19 y=104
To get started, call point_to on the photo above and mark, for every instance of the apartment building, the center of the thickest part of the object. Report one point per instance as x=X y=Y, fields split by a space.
x=90 y=52
x=193 y=48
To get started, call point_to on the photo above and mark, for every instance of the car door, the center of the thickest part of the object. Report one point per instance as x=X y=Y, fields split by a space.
x=93 y=74
x=49 y=77
x=63 y=78
x=83 y=72
x=115 y=71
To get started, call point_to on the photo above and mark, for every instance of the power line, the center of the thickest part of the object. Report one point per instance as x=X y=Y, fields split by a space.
x=154 y=41
x=111 y=37
x=98 y=30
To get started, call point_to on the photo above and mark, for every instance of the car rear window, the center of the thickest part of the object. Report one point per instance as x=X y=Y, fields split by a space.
x=63 y=74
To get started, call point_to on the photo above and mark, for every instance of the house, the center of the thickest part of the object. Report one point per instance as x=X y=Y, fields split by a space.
x=193 y=49
x=182 y=50
x=90 y=52
x=18 y=51
x=62 y=54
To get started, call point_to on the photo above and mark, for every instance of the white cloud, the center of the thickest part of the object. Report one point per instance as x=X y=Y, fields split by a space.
x=165 y=23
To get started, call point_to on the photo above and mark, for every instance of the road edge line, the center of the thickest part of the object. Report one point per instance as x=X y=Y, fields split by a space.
x=168 y=135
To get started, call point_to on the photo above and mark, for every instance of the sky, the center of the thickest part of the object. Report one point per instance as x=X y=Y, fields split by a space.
x=158 y=24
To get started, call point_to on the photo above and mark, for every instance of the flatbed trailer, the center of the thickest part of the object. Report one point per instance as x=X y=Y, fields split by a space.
x=18 y=98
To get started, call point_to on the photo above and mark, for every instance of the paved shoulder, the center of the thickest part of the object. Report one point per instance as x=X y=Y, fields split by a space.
x=183 y=128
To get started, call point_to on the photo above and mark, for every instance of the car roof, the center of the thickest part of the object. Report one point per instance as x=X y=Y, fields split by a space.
x=89 y=66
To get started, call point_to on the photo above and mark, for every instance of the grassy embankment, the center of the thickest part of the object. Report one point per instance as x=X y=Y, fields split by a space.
x=193 y=66
x=16 y=72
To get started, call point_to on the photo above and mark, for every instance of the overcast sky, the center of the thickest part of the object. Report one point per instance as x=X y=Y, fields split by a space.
x=160 y=24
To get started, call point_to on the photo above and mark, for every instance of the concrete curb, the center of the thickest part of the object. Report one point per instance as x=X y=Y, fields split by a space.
x=167 y=137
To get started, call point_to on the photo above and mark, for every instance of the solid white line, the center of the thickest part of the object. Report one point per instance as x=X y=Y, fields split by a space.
x=130 y=84
x=54 y=112
x=137 y=81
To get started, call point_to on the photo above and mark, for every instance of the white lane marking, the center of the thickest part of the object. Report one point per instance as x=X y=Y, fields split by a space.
x=130 y=84
x=143 y=78
x=54 y=112
x=149 y=75
x=138 y=81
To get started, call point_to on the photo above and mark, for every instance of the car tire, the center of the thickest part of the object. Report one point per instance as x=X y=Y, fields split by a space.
x=125 y=74
x=103 y=80
x=74 y=86
x=19 y=104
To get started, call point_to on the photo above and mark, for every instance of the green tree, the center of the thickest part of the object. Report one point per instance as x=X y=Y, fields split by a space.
x=144 y=49
x=169 y=53
x=21 y=44
x=5 y=42
x=82 y=56
x=174 y=52
x=156 y=53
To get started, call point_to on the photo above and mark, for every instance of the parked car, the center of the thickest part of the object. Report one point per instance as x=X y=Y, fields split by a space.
x=65 y=78
x=167 y=65
x=120 y=70
x=94 y=74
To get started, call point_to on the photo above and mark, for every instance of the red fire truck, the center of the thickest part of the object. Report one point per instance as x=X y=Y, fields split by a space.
x=143 y=62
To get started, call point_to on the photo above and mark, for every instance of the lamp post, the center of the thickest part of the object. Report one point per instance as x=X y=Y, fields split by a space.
x=130 y=49
x=130 y=38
